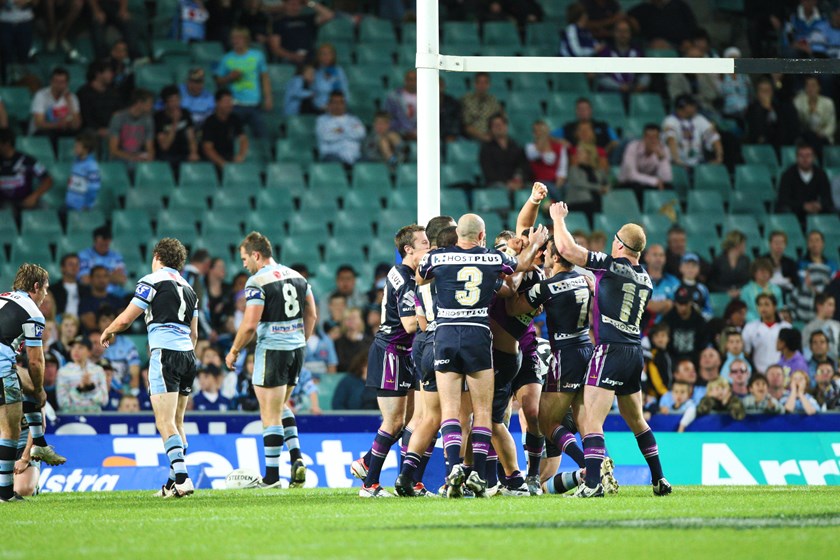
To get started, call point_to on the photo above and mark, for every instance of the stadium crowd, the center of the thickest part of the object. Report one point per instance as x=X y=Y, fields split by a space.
x=749 y=326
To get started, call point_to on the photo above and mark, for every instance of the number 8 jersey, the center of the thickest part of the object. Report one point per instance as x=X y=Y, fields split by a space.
x=170 y=305
x=282 y=292
x=622 y=291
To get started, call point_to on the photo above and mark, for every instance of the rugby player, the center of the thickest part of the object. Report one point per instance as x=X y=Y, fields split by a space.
x=467 y=275
x=171 y=313
x=389 y=367
x=280 y=309
x=421 y=443
x=623 y=288
x=21 y=318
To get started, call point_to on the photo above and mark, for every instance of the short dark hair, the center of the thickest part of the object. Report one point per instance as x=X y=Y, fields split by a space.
x=105 y=311
x=495 y=116
x=761 y=263
x=336 y=93
x=482 y=75
x=66 y=257
x=221 y=93
x=382 y=115
x=345 y=268
x=87 y=139
x=94 y=269
x=817 y=232
x=60 y=71
x=653 y=126
x=658 y=328
x=792 y=339
x=802 y=144
x=815 y=334
x=102 y=231
x=756 y=377
x=95 y=68
x=171 y=253
x=255 y=242
x=580 y=100
x=168 y=92
x=200 y=255
x=820 y=299
x=436 y=225
x=769 y=297
x=448 y=236
x=141 y=96
x=777 y=233
x=574 y=12
x=7 y=136
x=676 y=228
x=405 y=236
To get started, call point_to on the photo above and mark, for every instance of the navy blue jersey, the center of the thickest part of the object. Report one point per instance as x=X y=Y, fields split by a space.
x=466 y=280
x=397 y=302
x=517 y=326
x=621 y=292
x=426 y=303
x=567 y=301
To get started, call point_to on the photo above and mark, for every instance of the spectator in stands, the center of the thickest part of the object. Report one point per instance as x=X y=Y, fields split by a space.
x=98 y=100
x=351 y=393
x=294 y=32
x=223 y=132
x=761 y=271
x=132 y=131
x=401 y=104
x=605 y=136
x=785 y=269
x=195 y=272
x=804 y=188
x=97 y=297
x=689 y=272
x=825 y=41
x=101 y=254
x=123 y=69
x=330 y=77
x=679 y=400
x=658 y=365
x=245 y=72
x=797 y=400
x=719 y=398
x=195 y=98
x=664 y=284
x=255 y=16
x=587 y=179
x=246 y=397
x=345 y=287
x=549 y=160
x=622 y=47
x=304 y=397
x=115 y=396
x=731 y=268
x=688 y=328
x=739 y=375
x=122 y=353
x=321 y=357
x=208 y=397
x=646 y=164
x=68 y=330
x=789 y=345
x=218 y=294
x=383 y=144
x=826 y=389
x=80 y=384
x=817 y=353
x=55 y=108
x=576 y=39
x=817 y=116
x=769 y=119
x=665 y=23
x=339 y=133
x=735 y=90
x=175 y=140
x=824 y=322
x=85 y=182
x=16 y=27
x=815 y=274
x=450 y=115
x=4 y=117
x=523 y=11
x=798 y=30
x=760 y=335
x=116 y=13
x=686 y=373
x=353 y=340
x=23 y=179
x=477 y=107
x=690 y=136
x=759 y=401
x=299 y=97
x=604 y=17
x=776 y=381
x=503 y=161
x=68 y=291
x=190 y=21
x=733 y=344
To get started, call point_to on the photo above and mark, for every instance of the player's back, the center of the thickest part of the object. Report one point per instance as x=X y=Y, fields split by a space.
x=19 y=316
x=567 y=301
x=282 y=292
x=622 y=291
x=170 y=307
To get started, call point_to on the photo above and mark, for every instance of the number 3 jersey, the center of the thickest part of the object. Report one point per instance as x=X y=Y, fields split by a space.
x=465 y=280
x=622 y=291
x=398 y=301
x=170 y=305
x=282 y=292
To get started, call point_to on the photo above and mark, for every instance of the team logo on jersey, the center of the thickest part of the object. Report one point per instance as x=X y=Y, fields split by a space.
x=39 y=331
x=142 y=291
x=252 y=293
x=534 y=292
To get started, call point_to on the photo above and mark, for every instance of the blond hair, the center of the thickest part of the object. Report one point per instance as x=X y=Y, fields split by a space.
x=633 y=237
x=28 y=275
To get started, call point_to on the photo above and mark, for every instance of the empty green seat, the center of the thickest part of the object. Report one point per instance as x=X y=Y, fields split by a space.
x=542 y=33
x=500 y=34
x=656 y=228
x=460 y=33
x=654 y=200
x=232 y=202
x=38 y=147
x=41 y=224
x=17 y=101
x=200 y=174
x=485 y=200
x=607 y=105
x=84 y=221
x=187 y=199
x=746 y=202
x=828 y=224
x=762 y=154
x=328 y=177
x=374 y=30
x=284 y=175
x=407 y=176
x=279 y=75
x=351 y=250
x=113 y=172
x=322 y=205
x=371 y=174
x=462 y=151
x=242 y=175
x=374 y=54
x=32 y=249
x=457 y=174
x=337 y=30
x=701 y=223
x=275 y=200
x=222 y=222
x=154 y=77
x=577 y=83
x=531 y=81
x=206 y=52
x=622 y=203
x=754 y=175
x=131 y=222
x=357 y=200
x=648 y=106
x=705 y=201
x=155 y=174
x=713 y=177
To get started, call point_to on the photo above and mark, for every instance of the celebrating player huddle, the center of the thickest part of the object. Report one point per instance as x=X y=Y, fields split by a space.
x=456 y=345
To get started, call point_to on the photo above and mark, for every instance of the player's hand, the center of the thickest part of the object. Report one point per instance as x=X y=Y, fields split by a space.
x=230 y=359
x=538 y=236
x=106 y=339
x=539 y=192
x=558 y=211
x=21 y=465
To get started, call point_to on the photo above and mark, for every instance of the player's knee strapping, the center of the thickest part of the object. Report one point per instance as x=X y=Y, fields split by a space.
x=33 y=416
x=565 y=441
x=290 y=434
x=273 y=444
x=593 y=454
x=451 y=432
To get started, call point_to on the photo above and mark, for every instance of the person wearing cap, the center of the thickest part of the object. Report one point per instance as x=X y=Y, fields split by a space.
x=689 y=333
x=195 y=98
x=81 y=386
x=690 y=136
x=689 y=271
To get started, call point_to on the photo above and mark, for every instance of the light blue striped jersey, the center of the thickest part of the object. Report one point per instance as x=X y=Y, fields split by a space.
x=170 y=305
x=282 y=292
x=20 y=318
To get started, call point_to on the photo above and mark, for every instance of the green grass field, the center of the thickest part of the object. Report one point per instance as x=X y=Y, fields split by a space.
x=695 y=522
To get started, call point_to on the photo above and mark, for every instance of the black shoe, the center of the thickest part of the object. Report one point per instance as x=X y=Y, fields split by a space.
x=662 y=487
x=404 y=487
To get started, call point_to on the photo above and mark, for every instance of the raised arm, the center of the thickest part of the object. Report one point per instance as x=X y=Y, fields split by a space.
x=530 y=210
x=537 y=239
x=563 y=239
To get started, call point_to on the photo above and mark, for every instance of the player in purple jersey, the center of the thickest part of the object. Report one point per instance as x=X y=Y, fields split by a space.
x=466 y=276
x=389 y=367
x=622 y=289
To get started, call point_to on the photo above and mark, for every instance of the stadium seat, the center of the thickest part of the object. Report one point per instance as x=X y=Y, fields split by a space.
x=65 y=149
x=337 y=30
x=462 y=151
x=220 y=221
x=29 y=248
x=748 y=225
x=608 y=223
x=17 y=101
x=452 y=174
x=41 y=224
x=38 y=147
x=279 y=75
x=284 y=175
x=367 y=200
x=373 y=30
x=377 y=174
x=275 y=200
x=647 y=106
x=703 y=223
x=327 y=385
x=755 y=176
x=323 y=205
x=200 y=174
x=390 y=222
x=681 y=181
x=131 y=222
x=311 y=224
x=574 y=83
x=269 y=222
x=242 y=175
x=654 y=200
x=607 y=106
x=154 y=77
x=459 y=33
x=828 y=224
x=163 y=47
x=453 y=202
x=622 y=203
x=407 y=176
x=8 y=228
x=746 y=202
x=713 y=177
x=328 y=177
x=656 y=228
x=136 y=199
x=705 y=201
x=374 y=54
x=113 y=172
x=408 y=33
x=499 y=34
x=353 y=251
x=531 y=82
x=154 y=174
x=487 y=200
x=351 y=228
x=206 y=52
x=231 y=201
x=287 y=150
x=831 y=156
x=84 y=221
x=71 y=243
x=184 y=199
x=402 y=199
x=543 y=33
x=788 y=157
x=762 y=154
x=719 y=302
x=789 y=224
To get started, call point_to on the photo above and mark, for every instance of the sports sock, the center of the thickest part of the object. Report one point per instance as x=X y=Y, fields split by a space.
x=411 y=463
x=515 y=480
x=481 y=448
x=8 y=451
x=175 y=451
x=563 y=482
x=290 y=434
x=451 y=432
x=648 y=447
x=404 y=439
x=551 y=450
x=593 y=453
x=381 y=445
x=534 y=448
x=491 y=474
x=273 y=445
x=566 y=442
x=23 y=439
x=33 y=416
x=424 y=461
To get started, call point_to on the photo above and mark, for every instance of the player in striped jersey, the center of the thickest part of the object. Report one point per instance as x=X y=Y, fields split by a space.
x=170 y=308
x=280 y=309
x=622 y=289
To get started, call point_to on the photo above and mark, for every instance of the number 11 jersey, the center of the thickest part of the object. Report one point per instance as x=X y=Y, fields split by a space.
x=622 y=291
x=282 y=292
x=170 y=305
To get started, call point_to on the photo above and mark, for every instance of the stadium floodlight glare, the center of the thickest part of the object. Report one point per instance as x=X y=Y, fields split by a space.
x=430 y=62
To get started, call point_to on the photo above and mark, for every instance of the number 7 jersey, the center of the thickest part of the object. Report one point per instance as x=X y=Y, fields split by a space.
x=282 y=292
x=170 y=305
x=622 y=291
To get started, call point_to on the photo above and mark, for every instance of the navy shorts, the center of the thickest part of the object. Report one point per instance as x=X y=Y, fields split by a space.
x=568 y=369
x=276 y=368
x=617 y=367
x=529 y=372
x=172 y=371
x=426 y=365
x=505 y=367
x=463 y=349
x=388 y=372
x=417 y=357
